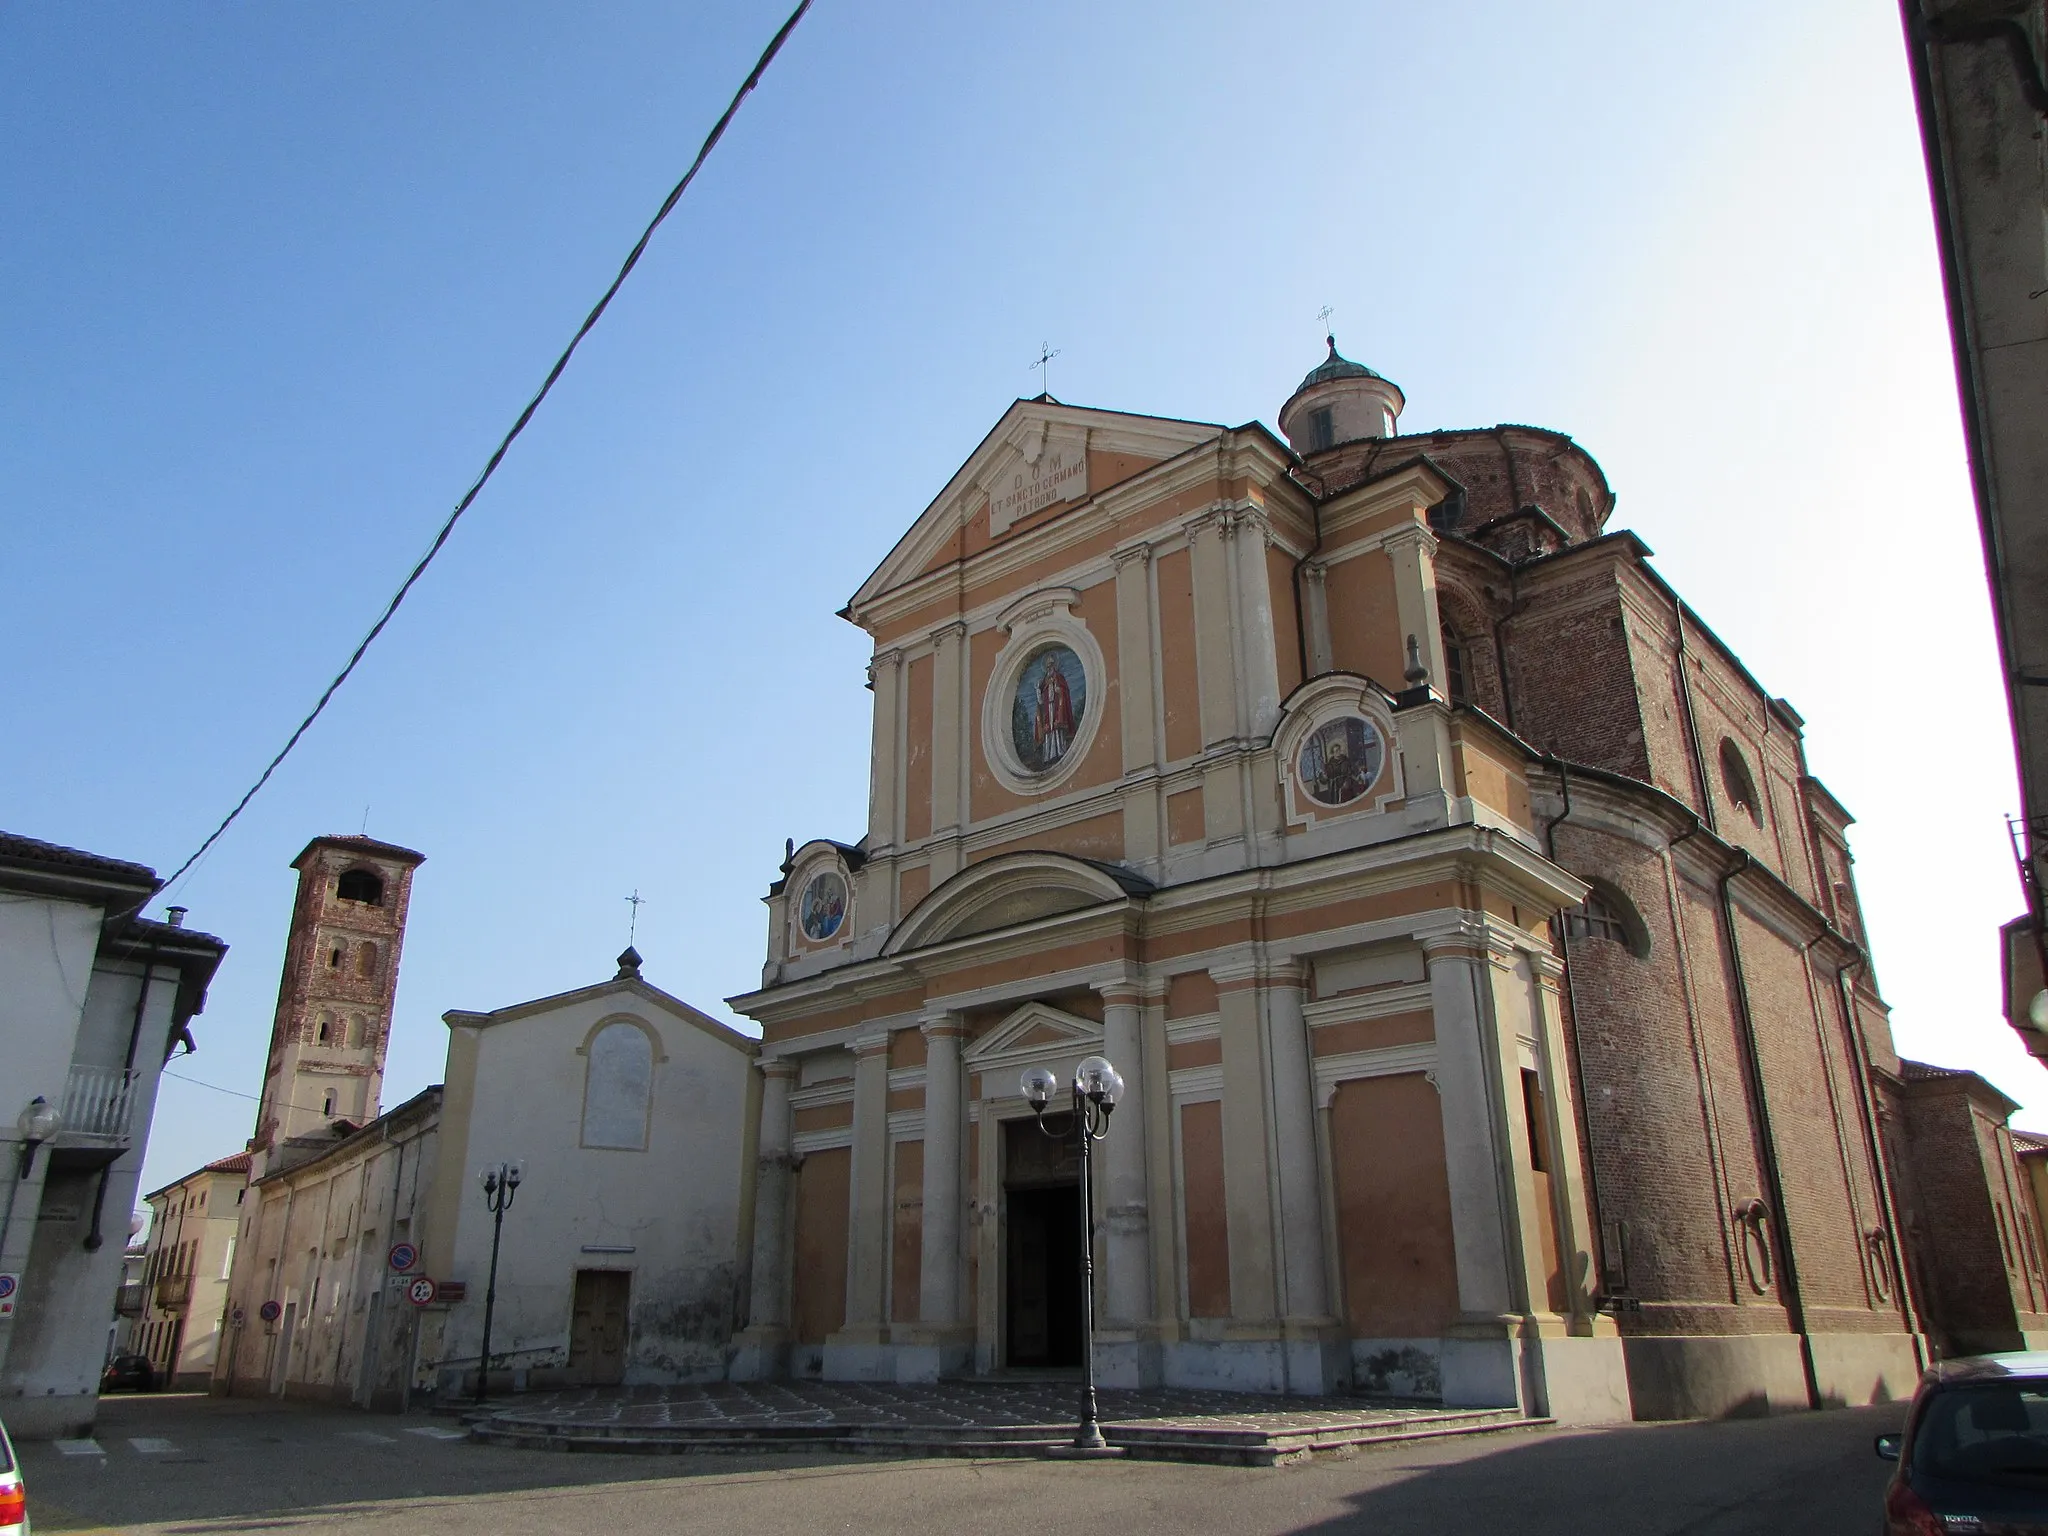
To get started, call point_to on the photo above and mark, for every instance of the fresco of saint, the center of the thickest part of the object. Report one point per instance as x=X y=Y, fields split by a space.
x=1340 y=761
x=1046 y=710
x=823 y=906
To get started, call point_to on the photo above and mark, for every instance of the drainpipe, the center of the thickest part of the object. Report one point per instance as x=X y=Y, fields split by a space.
x=1767 y=1142
x=1865 y=1102
x=1571 y=993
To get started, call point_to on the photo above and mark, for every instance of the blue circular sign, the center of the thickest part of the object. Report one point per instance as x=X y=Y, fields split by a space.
x=270 y=1311
x=7 y=1285
x=404 y=1256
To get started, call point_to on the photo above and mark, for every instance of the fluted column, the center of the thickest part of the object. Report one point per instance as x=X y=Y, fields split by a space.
x=939 y=1269
x=1127 y=1247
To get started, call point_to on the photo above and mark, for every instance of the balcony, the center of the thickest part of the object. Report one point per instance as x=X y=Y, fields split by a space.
x=98 y=1106
x=173 y=1293
x=129 y=1302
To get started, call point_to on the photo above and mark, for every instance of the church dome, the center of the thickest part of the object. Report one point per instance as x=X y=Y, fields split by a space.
x=1340 y=402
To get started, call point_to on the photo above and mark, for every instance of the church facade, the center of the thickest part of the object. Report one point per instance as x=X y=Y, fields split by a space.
x=1482 y=963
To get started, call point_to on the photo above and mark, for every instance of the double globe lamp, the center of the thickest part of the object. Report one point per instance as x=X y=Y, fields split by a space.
x=1096 y=1088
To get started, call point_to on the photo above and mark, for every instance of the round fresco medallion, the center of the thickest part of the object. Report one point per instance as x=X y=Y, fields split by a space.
x=1047 y=707
x=1340 y=760
x=822 y=907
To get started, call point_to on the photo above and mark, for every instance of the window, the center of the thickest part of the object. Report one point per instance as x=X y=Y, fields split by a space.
x=327 y=1103
x=1455 y=671
x=1735 y=779
x=620 y=1077
x=334 y=958
x=1322 y=429
x=326 y=1031
x=1608 y=915
x=360 y=885
x=366 y=961
x=1538 y=1119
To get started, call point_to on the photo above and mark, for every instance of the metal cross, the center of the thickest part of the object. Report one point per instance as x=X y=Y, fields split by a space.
x=1324 y=316
x=1046 y=353
x=633 y=928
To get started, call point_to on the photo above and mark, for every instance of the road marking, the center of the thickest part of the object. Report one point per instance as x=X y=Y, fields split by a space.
x=80 y=1448
x=150 y=1446
x=436 y=1432
x=365 y=1436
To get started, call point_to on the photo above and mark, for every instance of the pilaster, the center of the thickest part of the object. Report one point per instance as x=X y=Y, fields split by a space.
x=1413 y=552
x=763 y=1346
x=858 y=1351
x=1138 y=681
x=1247 y=1175
x=885 y=677
x=949 y=738
x=1316 y=606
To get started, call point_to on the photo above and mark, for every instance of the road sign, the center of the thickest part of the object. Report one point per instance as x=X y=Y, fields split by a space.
x=9 y=1285
x=451 y=1290
x=404 y=1256
x=270 y=1311
x=238 y=1317
x=421 y=1292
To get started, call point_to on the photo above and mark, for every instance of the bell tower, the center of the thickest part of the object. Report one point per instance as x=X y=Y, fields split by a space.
x=334 y=1002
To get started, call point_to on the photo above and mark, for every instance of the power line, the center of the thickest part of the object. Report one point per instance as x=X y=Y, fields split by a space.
x=504 y=445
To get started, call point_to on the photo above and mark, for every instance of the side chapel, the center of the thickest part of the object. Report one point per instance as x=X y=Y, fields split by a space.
x=1482 y=961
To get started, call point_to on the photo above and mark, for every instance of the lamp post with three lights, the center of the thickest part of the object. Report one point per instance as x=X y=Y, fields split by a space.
x=1096 y=1087
x=500 y=1185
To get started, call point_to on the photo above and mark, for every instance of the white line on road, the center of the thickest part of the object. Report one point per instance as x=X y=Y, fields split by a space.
x=436 y=1432
x=149 y=1446
x=80 y=1448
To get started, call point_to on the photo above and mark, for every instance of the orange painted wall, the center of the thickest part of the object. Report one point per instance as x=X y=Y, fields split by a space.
x=917 y=765
x=1176 y=575
x=1190 y=993
x=1393 y=1208
x=906 y=1239
x=818 y=1306
x=912 y=886
x=1365 y=623
x=1208 y=1225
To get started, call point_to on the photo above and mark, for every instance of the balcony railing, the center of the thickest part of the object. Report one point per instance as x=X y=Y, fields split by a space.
x=173 y=1292
x=129 y=1302
x=98 y=1103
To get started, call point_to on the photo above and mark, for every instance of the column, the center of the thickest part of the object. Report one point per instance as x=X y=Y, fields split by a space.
x=857 y=1351
x=1257 y=658
x=1316 y=610
x=769 y=1306
x=1216 y=621
x=948 y=733
x=1413 y=551
x=1138 y=680
x=1247 y=1183
x=1568 y=1174
x=885 y=676
x=939 y=1267
x=1305 y=1290
x=1127 y=1257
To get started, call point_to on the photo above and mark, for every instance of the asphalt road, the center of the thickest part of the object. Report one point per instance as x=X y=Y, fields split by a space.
x=194 y=1466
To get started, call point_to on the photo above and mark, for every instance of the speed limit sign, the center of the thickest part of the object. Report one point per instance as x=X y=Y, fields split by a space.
x=420 y=1292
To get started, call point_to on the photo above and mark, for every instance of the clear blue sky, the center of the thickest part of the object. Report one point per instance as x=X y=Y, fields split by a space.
x=273 y=279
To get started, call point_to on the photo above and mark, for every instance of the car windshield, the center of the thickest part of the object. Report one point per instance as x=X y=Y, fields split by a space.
x=1996 y=1432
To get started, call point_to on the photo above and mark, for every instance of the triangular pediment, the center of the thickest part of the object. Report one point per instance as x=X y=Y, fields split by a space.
x=1040 y=454
x=1033 y=1031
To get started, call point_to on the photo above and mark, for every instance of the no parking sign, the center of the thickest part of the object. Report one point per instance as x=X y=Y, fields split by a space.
x=403 y=1257
x=9 y=1285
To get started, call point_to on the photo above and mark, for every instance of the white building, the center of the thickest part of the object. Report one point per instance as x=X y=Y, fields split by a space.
x=93 y=998
x=184 y=1278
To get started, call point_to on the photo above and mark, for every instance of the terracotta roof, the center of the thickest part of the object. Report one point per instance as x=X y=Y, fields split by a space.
x=33 y=850
x=1923 y=1071
x=364 y=844
x=2030 y=1141
x=236 y=1163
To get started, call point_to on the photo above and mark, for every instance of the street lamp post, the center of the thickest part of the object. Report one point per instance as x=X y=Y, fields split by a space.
x=1096 y=1088
x=500 y=1185
x=37 y=1123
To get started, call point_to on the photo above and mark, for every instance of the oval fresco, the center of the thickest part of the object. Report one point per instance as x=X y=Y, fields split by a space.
x=1340 y=760
x=822 y=907
x=1047 y=707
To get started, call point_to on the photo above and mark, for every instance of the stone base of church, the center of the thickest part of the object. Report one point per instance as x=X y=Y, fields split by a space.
x=1298 y=1361
x=1852 y=1369
x=931 y=1354
x=1579 y=1380
x=760 y=1354
x=1715 y=1377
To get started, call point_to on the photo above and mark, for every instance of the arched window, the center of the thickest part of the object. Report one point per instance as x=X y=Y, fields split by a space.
x=1457 y=668
x=618 y=1082
x=326 y=1029
x=334 y=957
x=1608 y=915
x=327 y=1103
x=366 y=961
x=360 y=885
x=1735 y=779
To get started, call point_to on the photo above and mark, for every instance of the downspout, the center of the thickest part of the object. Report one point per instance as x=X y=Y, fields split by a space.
x=1865 y=1095
x=1767 y=1142
x=1572 y=1053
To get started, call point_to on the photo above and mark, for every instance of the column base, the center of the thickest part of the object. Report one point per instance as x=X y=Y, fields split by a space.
x=924 y=1353
x=1581 y=1380
x=760 y=1354
x=1480 y=1364
x=1127 y=1358
x=859 y=1354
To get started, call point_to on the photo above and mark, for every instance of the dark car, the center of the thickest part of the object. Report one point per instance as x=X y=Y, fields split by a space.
x=1974 y=1453
x=133 y=1372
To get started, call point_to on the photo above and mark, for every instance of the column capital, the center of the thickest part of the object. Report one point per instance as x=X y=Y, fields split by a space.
x=955 y=629
x=870 y=1045
x=1316 y=571
x=1132 y=554
x=1410 y=536
x=782 y=1068
x=884 y=661
x=1121 y=992
x=942 y=1024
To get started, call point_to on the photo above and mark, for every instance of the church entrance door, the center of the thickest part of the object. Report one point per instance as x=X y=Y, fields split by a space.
x=597 y=1327
x=1043 y=1274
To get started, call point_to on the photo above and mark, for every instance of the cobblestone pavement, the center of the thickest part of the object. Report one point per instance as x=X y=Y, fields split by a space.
x=947 y=1405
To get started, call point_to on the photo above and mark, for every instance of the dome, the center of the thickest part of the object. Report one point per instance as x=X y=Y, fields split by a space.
x=1334 y=367
x=1340 y=402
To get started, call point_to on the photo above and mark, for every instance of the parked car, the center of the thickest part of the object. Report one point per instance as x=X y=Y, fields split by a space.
x=1974 y=1453
x=133 y=1372
x=13 y=1496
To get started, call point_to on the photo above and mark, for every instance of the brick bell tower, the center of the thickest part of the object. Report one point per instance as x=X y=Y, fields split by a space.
x=334 y=1003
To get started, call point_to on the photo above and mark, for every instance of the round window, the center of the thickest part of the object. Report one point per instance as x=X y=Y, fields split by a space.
x=822 y=907
x=1047 y=706
x=1340 y=761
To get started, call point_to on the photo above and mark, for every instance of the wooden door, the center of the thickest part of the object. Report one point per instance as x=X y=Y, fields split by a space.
x=598 y=1326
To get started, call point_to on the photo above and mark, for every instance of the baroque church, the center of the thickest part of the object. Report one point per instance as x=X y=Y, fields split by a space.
x=1482 y=961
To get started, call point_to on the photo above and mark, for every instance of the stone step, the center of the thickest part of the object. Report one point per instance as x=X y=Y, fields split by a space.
x=1232 y=1446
